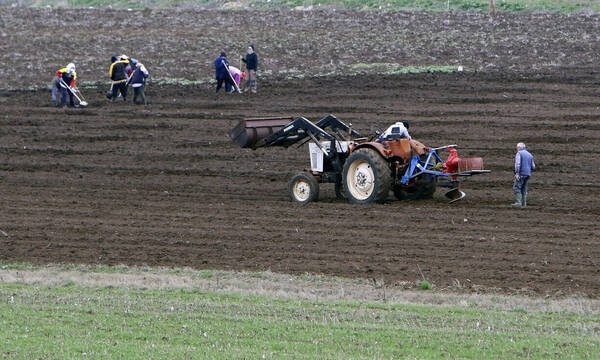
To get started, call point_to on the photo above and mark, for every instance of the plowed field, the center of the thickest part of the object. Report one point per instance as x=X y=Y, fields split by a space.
x=163 y=184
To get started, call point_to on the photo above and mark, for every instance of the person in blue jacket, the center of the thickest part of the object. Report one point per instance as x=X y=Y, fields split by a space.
x=222 y=73
x=524 y=165
x=138 y=82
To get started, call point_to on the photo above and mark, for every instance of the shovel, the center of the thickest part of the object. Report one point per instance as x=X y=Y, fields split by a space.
x=232 y=79
x=82 y=103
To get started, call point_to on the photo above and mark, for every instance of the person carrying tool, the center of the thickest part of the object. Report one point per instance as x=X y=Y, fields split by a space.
x=222 y=74
x=118 y=76
x=69 y=78
x=524 y=165
x=251 y=61
x=138 y=82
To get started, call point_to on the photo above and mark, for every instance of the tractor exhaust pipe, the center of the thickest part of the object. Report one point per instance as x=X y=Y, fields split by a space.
x=248 y=132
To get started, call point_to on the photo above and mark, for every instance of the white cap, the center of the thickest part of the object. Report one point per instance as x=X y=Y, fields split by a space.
x=71 y=68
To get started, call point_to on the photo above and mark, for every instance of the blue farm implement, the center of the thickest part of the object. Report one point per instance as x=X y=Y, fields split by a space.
x=362 y=169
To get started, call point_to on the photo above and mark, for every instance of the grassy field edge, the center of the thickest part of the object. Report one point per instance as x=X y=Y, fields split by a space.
x=123 y=312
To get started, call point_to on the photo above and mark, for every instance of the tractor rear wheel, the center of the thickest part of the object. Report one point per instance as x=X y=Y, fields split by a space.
x=304 y=188
x=367 y=177
x=423 y=189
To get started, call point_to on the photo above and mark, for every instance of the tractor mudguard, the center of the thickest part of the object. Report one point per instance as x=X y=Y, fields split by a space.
x=378 y=147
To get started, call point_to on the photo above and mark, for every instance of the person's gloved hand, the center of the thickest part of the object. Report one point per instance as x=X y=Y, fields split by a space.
x=517 y=176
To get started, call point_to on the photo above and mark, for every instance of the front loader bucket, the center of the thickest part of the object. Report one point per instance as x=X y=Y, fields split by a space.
x=454 y=195
x=248 y=132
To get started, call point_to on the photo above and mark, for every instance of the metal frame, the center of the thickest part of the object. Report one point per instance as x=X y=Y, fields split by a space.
x=418 y=167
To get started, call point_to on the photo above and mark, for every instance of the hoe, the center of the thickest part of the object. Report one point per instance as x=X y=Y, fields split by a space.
x=363 y=169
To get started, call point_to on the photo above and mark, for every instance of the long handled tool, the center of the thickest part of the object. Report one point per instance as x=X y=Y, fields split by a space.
x=74 y=92
x=83 y=100
x=232 y=79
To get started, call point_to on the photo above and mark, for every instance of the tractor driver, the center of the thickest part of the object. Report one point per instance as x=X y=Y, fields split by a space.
x=398 y=130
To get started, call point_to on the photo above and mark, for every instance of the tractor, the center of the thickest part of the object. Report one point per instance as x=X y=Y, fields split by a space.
x=363 y=169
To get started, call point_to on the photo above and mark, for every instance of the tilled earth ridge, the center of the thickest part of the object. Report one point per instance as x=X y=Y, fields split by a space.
x=163 y=184
x=180 y=45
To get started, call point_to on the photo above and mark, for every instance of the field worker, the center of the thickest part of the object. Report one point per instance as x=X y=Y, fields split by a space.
x=118 y=76
x=237 y=74
x=398 y=130
x=138 y=82
x=251 y=61
x=524 y=165
x=221 y=73
x=130 y=68
x=69 y=76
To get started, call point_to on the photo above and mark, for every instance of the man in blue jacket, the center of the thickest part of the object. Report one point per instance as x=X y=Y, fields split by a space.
x=524 y=165
x=222 y=73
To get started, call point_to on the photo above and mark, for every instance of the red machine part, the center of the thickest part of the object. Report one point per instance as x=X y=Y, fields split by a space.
x=451 y=163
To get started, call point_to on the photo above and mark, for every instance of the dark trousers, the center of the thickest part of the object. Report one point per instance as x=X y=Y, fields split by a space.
x=228 y=84
x=139 y=91
x=119 y=87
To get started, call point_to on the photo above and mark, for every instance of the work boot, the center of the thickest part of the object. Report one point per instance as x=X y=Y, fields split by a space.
x=524 y=200
x=518 y=200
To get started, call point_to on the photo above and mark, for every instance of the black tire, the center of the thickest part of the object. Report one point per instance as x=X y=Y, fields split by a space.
x=303 y=188
x=423 y=189
x=367 y=177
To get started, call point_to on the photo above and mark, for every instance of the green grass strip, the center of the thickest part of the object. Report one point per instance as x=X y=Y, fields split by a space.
x=73 y=322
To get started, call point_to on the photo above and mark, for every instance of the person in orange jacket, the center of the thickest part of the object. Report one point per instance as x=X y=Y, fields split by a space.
x=69 y=78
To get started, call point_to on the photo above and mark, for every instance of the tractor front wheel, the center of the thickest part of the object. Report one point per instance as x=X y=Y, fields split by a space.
x=367 y=177
x=304 y=188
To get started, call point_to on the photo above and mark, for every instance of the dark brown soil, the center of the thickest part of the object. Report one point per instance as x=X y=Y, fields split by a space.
x=163 y=185
x=182 y=44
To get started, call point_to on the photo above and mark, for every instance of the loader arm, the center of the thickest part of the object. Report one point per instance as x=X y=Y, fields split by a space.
x=336 y=125
x=294 y=132
x=286 y=131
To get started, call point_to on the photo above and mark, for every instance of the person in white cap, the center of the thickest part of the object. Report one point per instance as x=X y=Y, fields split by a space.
x=138 y=82
x=69 y=78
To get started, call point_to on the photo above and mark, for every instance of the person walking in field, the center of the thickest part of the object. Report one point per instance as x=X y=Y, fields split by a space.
x=138 y=82
x=222 y=73
x=524 y=165
x=251 y=61
x=69 y=78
